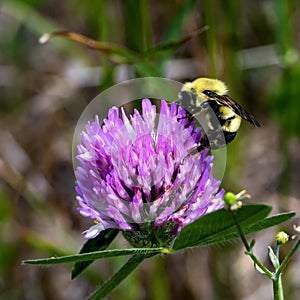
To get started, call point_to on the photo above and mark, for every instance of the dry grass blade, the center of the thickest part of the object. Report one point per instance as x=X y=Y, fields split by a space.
x=104 y=47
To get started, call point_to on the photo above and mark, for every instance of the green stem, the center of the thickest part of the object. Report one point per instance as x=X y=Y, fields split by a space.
x=146 y=25
x=212 y=36
x=278 y=289
x=242 y=235
x=276 y=250
x=277 y=281
x=249 y=249
x=288 y=257
x=118 y=277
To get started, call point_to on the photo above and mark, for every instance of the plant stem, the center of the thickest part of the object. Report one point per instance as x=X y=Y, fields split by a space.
x=212 y=36
x=249 y=249
x=277 y=280
x=276 y=250
x=288 y=257
x=277 y=288
x=118 y=277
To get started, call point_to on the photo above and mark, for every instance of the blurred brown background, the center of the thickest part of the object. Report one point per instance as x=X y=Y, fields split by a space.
x=251 y=45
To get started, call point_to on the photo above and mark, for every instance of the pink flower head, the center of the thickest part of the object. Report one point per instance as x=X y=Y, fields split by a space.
x=142 y=174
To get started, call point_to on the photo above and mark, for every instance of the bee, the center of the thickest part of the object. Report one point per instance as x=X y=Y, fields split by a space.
x=220 y=115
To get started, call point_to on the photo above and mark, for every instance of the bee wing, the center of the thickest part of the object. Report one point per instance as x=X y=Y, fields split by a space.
x=236 y=108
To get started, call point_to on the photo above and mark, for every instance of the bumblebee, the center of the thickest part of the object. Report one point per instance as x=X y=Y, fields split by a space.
x=219 y=115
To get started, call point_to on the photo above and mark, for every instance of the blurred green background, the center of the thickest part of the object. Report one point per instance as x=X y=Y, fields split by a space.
x=252 y=45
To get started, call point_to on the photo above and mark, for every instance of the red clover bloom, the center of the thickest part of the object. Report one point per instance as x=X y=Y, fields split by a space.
x=143 y=175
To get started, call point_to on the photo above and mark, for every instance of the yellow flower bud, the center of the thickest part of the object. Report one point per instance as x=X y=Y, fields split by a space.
x=282 y=237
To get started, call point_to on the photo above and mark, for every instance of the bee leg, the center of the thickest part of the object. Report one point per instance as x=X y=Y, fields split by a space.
x=204 y=144
x=215 y=140
x=189 y=117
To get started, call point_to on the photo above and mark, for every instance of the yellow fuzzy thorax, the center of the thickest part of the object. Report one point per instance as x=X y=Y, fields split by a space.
x=201 y=84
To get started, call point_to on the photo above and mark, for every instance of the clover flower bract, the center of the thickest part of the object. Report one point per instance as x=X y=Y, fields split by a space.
x=143 y=175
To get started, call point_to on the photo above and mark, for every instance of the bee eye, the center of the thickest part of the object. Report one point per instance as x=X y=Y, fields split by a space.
x=209 y=93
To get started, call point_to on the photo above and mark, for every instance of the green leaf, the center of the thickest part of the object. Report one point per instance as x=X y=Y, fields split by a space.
x=100 y=242
x=273 y=258
x=214 y=225
x=178 y=21
x=258 y=269
x=219 y=226
x=137 y=22
x=118 y=277
x=258 y=226
x=95 y=255
x=269 y=222
x=146 y=68
x=173 y=45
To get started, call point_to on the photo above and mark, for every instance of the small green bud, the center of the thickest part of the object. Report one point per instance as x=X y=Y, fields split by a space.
x=233 y=201
x=282 y=237
x=230 y=198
